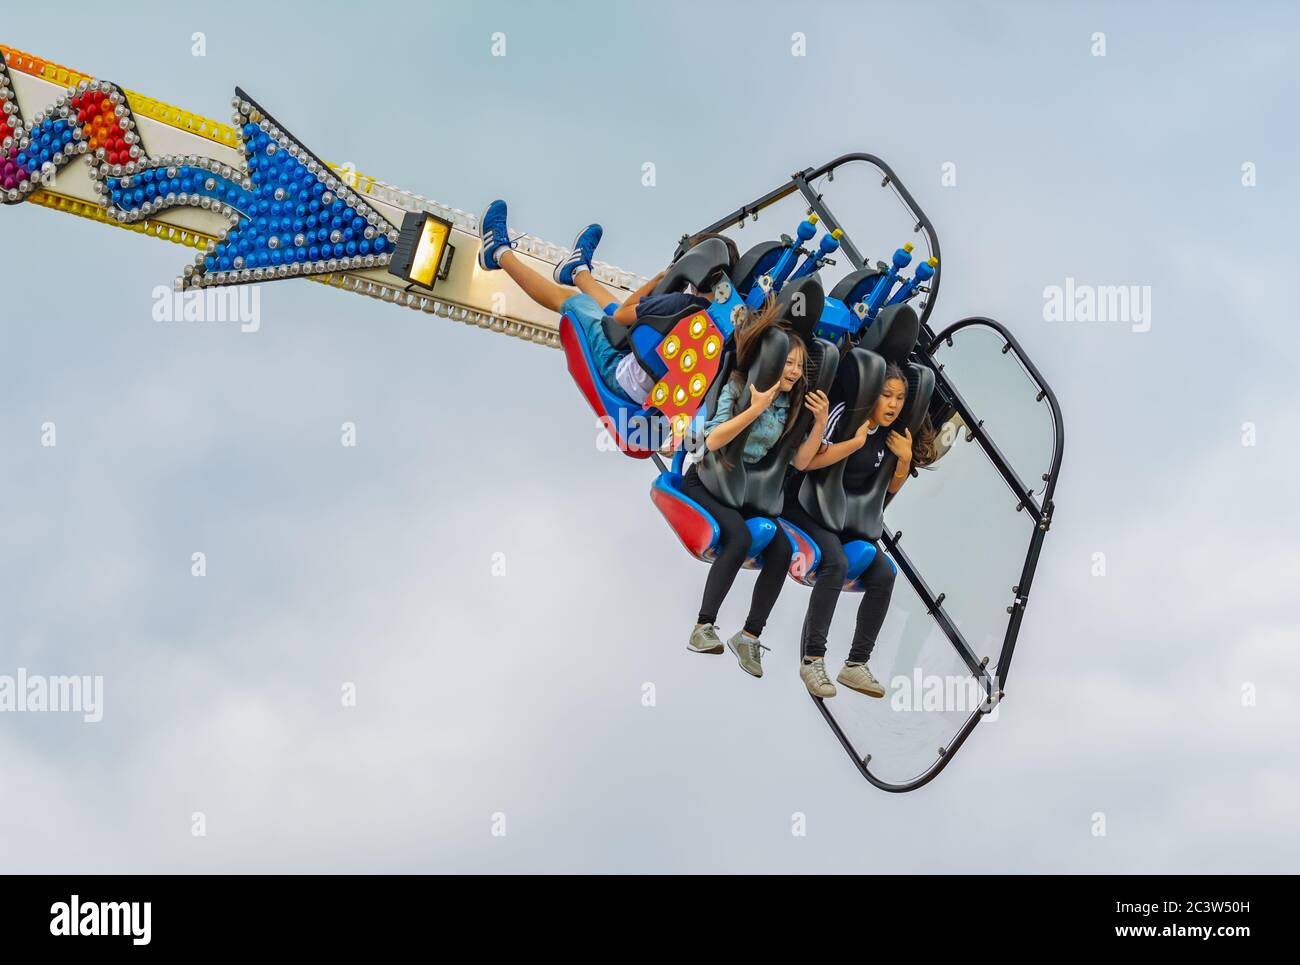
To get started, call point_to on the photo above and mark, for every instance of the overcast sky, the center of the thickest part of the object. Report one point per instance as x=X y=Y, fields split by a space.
x=519 y=693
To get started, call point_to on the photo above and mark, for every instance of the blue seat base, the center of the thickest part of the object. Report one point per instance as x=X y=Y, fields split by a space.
x=808 y=556
x=696 y=527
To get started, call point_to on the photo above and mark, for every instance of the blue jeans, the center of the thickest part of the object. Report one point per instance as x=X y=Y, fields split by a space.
x=590 y=318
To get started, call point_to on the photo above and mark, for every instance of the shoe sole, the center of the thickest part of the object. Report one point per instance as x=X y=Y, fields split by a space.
x=818 y=696
x=573 y=248
x=741 y=662
x=481 y=249
x=718 y=649
x=859 y=690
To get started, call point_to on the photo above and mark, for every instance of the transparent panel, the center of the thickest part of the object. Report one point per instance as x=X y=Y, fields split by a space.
x=782 y=218
x=875 y=216
x=1004 y=396
x=960 y=530
x=930 y=691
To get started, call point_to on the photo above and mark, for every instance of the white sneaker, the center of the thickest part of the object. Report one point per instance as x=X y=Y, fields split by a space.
x=856 y=676
x=813 y=672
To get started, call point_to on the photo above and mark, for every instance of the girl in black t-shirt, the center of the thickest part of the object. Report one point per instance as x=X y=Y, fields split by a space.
x=865 y=452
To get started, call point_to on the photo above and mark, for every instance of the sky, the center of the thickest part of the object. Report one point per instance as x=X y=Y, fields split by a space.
x=499 y=593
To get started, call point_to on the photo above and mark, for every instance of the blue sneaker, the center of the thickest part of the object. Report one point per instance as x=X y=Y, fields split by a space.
x=584 y=246
x=493 y=235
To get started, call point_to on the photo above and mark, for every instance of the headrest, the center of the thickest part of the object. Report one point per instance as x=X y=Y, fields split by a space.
x=685 y=245
x=702 y=266
x=799 y=306
x=756 y=261
x=856 y=285
x=769 y=363
x=920 y=386
x=858 y=383
x=893 y=333
x=820 y=368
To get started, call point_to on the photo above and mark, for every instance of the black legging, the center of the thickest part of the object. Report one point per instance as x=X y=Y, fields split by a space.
x=829 y=581
x=733 y=548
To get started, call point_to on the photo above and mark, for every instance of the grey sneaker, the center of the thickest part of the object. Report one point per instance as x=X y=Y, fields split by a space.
x=705 y=639
x=814 y=677
x=749 y=653
x=857 y=677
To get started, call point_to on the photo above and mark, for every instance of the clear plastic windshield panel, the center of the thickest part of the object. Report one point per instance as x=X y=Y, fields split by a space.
x=958 y=526
x=930 y=690
x=1004 y=397
x=783 y=218
x=874 y=216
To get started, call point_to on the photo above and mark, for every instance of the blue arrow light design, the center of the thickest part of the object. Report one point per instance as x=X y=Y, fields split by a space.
x=289 y=215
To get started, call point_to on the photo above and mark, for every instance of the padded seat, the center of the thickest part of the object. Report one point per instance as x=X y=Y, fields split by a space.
x=757 y=488
x=695 y=525
x=681 y=352
x=638 y=431
x=807 y=557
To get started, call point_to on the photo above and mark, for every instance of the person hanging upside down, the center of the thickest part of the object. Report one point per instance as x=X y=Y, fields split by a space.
x=865 y=452
x=769 y=414
x=572 y=290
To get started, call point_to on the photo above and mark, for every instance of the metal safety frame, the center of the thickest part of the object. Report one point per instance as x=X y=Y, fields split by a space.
x=803 y=183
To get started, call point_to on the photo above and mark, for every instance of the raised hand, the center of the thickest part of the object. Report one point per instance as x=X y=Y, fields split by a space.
x=761 y=400
x=819 y=405
x=901 y=445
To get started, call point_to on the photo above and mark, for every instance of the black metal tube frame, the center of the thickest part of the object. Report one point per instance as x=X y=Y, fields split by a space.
x=1041 y=514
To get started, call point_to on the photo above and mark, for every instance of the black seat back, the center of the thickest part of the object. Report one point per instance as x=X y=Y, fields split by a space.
x=755 y=262
x=864 y=511
x=703 y=266
x=765 y=479
x=858 y=381
x=727 y=482
x=893 y=333
x=856 y=285
x=889 y=338
x=757 y=489
x=799 y=306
